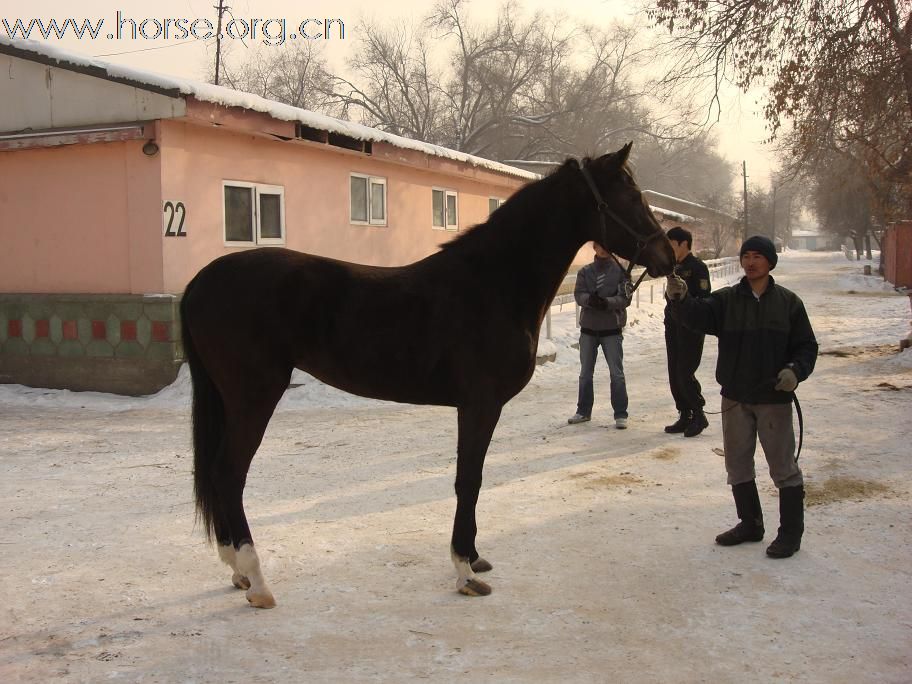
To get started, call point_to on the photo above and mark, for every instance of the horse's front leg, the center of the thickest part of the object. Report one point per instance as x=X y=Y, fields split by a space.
x=476 y=426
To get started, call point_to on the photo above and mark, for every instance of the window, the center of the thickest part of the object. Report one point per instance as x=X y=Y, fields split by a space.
x=367 y=199
x=445 y=214
x=493 y=203
x=254 y=213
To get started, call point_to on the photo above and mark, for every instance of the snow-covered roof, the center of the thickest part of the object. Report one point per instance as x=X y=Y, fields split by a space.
x=662 y=195
x=693 y=209
x=50 y=54
x=677 y=216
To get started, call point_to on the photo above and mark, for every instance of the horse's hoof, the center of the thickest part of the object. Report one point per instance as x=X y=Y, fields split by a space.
x=481 y=565
x=262 y=599
x=239 y=581
x=475 y=587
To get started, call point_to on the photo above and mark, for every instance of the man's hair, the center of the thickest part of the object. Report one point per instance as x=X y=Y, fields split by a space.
x=679 y=234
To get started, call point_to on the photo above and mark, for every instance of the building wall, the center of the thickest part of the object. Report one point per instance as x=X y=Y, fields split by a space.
x=80 y=219
x=897 y=247
x=196 y=160
x=37 y=96
x=814 y=242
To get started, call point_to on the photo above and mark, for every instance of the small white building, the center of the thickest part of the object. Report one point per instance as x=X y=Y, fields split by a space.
x=814 y=241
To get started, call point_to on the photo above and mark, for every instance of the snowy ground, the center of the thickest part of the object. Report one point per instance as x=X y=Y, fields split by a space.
x=602 y=541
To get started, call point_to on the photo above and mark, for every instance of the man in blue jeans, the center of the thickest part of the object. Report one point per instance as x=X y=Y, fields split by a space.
x=601 y=292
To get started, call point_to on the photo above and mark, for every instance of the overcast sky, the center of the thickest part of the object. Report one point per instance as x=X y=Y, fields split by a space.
x=740 y=132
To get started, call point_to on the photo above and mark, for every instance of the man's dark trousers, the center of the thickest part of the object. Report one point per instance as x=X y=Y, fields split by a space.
x=684 y=348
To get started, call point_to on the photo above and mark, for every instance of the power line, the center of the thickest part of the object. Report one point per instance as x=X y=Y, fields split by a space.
x=160 y=47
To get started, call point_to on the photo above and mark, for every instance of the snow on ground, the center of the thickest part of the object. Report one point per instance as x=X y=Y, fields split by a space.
x=602 y=540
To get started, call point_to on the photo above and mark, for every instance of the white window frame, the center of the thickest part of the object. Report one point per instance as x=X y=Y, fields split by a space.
x=447 y=193
x=258 y=238
x=371 y=221
x=499 y=200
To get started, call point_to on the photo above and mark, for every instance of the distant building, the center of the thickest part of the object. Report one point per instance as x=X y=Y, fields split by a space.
x=814 y=241
x=714 y=230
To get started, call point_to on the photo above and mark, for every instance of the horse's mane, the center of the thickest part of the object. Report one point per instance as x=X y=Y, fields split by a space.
x=531 y=204
x=532 y=198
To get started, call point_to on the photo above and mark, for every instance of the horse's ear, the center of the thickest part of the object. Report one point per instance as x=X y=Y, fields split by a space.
x=624 y=152
x=616 y=159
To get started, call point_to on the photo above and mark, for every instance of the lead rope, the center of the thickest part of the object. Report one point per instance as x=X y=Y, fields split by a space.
x=629 y=286
x=797 y=412
x=800 y=425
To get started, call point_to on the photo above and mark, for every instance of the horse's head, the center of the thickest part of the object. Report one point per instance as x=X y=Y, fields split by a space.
x=624 y=223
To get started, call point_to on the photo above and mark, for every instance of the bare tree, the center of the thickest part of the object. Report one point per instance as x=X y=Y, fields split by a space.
x=840 y=72
x=296 y=74
x=721 y=235
x=493 y=69
x=844 y=203
x=393 y=86
x=532 y=88
x=592 y=106
x=688 y=167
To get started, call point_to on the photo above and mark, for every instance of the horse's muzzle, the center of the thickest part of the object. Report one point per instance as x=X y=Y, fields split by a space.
x=658 y=258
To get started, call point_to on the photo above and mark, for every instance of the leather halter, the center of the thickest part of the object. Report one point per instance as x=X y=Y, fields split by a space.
x=603 y=211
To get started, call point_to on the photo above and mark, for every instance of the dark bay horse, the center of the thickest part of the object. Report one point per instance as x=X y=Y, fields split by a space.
x=458 y=328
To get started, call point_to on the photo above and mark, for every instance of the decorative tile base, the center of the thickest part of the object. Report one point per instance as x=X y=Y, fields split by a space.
x=129 y=344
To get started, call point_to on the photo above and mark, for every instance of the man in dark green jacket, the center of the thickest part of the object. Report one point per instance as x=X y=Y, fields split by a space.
x=766 y=347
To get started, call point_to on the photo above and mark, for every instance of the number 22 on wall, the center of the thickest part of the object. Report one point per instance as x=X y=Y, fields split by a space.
x=173 y=216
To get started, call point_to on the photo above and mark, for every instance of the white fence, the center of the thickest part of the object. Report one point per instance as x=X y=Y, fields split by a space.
x=722 y=272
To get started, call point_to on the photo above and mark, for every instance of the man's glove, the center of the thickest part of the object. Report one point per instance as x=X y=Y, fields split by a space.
x=675 y=288
x=787 y=380
x=597 y=302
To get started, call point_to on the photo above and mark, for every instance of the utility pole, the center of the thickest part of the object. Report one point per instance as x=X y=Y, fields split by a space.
x=744 y=173
x=218 y=40
x=774 y=213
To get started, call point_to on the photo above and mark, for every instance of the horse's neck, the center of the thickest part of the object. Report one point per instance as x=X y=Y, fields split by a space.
x=533 y=262
x=547 y=242
x=525 y=251
x=544 y=268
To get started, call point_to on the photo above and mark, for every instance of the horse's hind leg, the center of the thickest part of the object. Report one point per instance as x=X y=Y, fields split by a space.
x=226 y=550
x=246 y=421
x=243 y=440
x=476 y=426
x=229 y=557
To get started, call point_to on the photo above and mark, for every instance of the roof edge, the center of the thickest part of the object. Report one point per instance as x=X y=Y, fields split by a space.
x=170 y=86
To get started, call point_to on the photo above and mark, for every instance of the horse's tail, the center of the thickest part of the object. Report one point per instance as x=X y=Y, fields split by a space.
x=208 y=417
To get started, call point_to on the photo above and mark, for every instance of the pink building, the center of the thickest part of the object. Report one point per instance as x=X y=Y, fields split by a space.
x=117 y=186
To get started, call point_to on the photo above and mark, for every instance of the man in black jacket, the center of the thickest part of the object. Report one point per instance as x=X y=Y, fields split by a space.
x=684 y=347
x=766 y=347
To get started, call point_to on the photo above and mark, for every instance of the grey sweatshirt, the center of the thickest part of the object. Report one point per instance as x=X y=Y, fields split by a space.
x=605 y=278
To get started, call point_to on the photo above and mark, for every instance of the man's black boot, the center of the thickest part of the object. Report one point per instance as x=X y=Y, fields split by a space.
x=747 y=503
x=680 y=424
x=791 y=523
x=697 y=424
